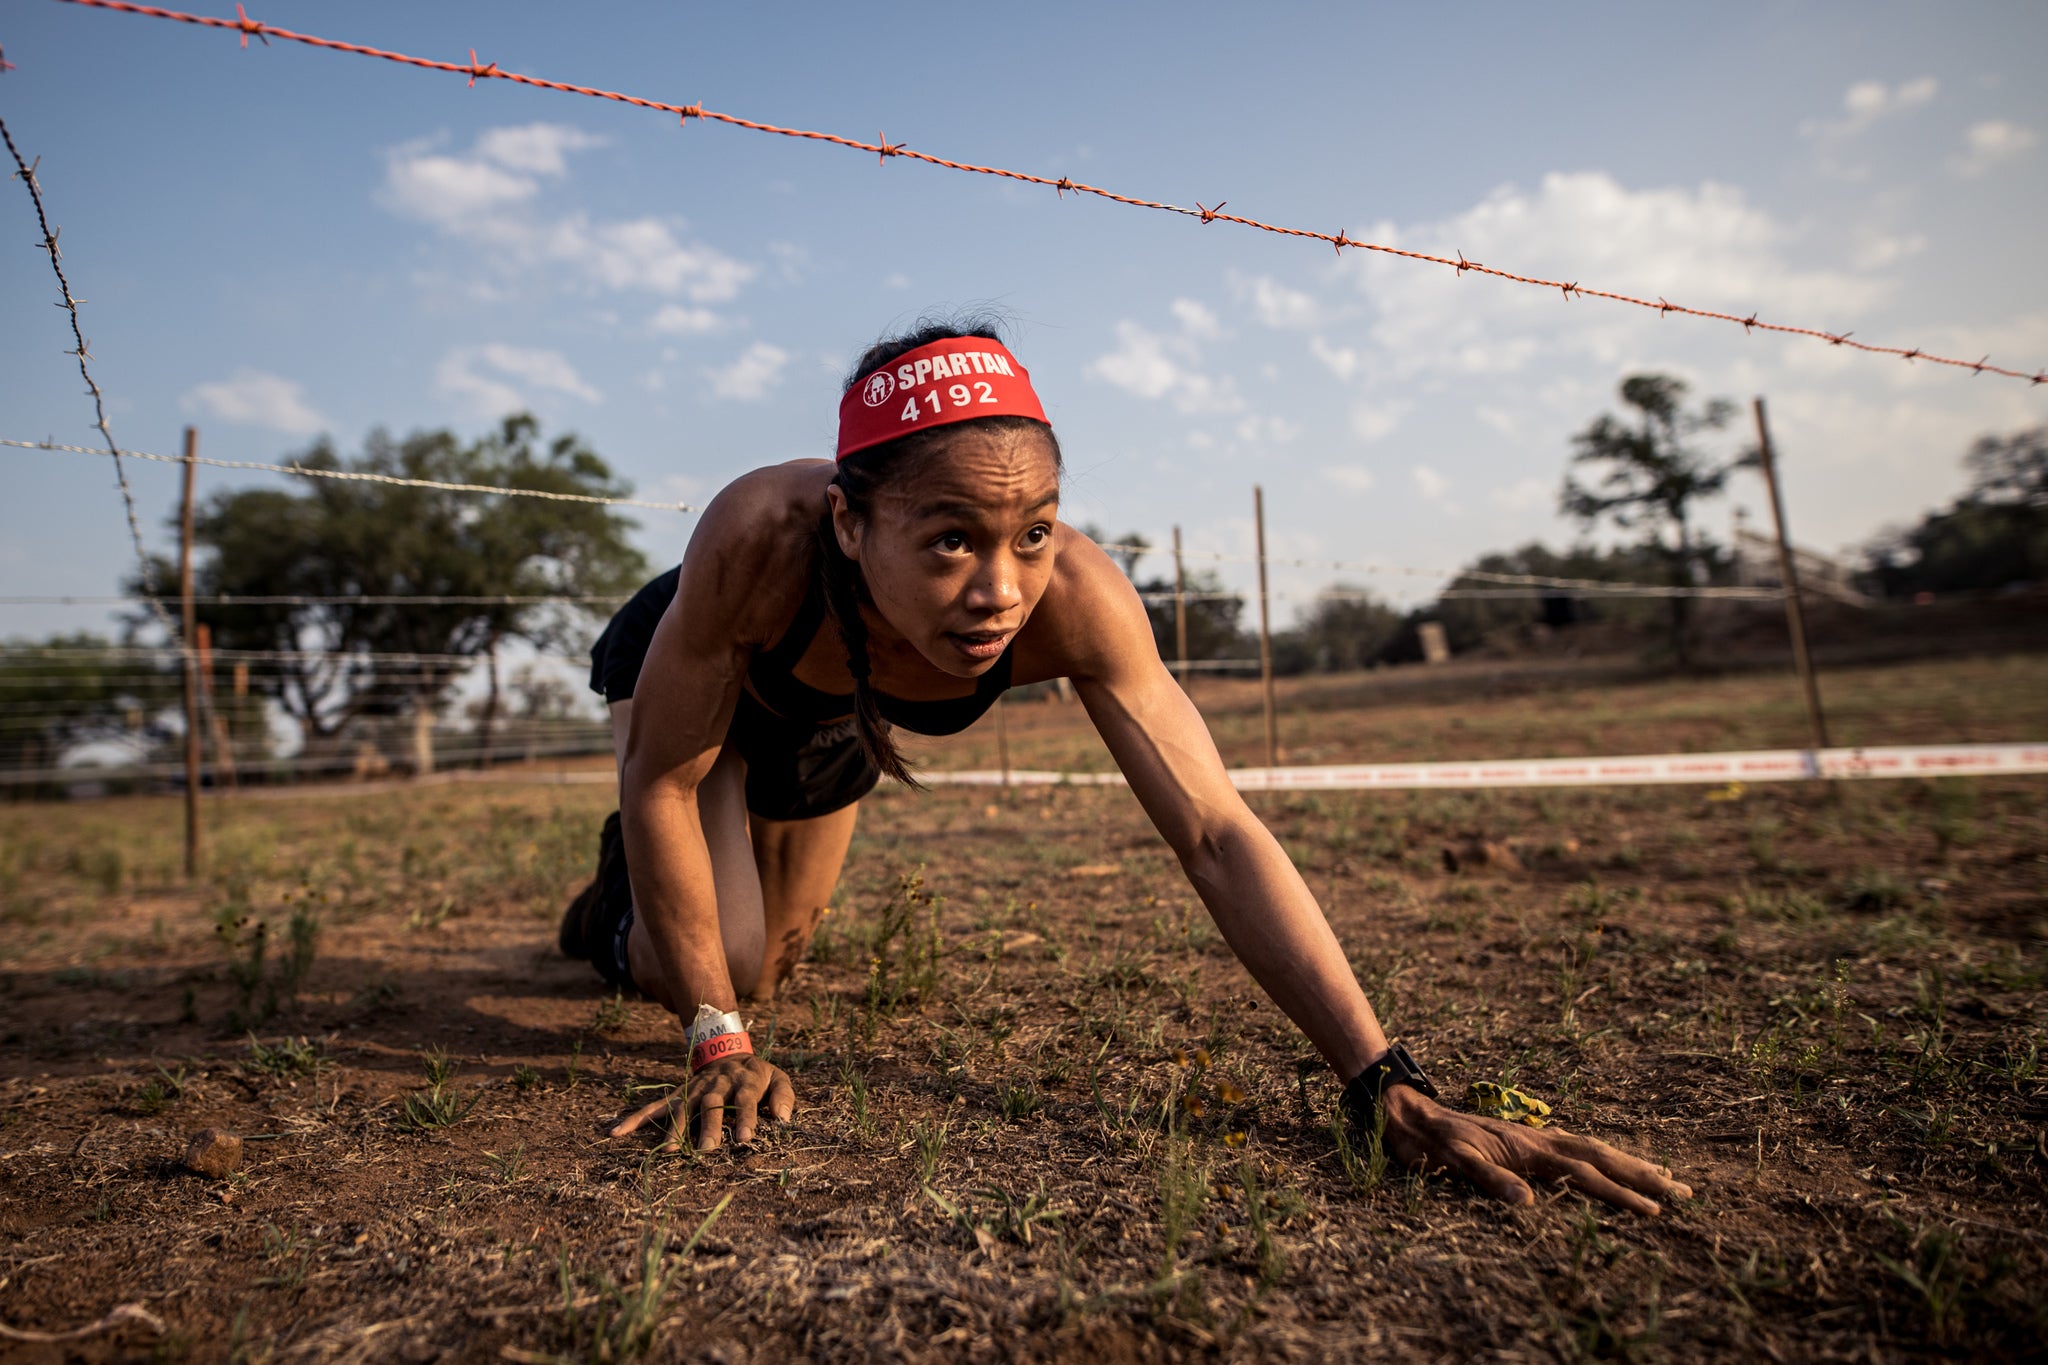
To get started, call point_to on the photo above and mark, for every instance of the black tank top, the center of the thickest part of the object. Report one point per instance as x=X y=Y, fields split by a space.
x=773 y=680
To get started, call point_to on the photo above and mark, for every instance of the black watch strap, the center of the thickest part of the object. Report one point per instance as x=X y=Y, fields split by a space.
x=1362 y=1094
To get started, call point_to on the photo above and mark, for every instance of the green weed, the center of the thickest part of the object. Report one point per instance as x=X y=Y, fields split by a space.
x=438 y=1106
x=286 y=1059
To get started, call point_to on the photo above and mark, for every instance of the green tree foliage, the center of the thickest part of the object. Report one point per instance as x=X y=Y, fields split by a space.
x=1469 y=620
x=1995 y=534
x=1651 y=475
x=70 y=690
x=1346 y=629
x=334 y=538
x=1214 y=631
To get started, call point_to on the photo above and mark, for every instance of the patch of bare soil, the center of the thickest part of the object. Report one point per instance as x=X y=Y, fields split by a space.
x=1043 y=1113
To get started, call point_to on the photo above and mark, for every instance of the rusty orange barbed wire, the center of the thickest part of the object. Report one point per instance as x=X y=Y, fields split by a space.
x=476 y=69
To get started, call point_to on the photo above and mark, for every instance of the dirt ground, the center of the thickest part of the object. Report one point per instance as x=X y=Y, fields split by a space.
x=1042 y=1111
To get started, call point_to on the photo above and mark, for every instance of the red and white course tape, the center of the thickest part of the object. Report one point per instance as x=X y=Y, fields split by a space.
x=1759 y=765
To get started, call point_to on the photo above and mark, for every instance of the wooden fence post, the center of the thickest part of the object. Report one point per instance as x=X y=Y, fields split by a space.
x=1265 y=630
x=188 y=641
x=1788 y=575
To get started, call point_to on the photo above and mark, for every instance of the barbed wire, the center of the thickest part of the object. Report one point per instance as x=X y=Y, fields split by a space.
x=1582 y=587
x=337 y=600
x=251 y=655
x=25 y=171
x=883 y=149
x=360 y=476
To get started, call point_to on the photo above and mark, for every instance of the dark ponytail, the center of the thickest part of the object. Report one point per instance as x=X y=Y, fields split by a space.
x=861 y=475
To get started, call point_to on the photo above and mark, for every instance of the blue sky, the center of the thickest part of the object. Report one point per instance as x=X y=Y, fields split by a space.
x=280 y=243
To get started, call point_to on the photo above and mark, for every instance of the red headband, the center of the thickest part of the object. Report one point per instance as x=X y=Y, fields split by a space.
x=954 y=380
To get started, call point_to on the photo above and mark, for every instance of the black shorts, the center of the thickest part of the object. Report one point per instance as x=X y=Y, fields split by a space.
x=795 y=770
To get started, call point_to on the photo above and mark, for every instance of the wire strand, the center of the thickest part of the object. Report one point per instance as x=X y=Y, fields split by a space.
x=359 y=476
x=883 y=149
x=25 y=171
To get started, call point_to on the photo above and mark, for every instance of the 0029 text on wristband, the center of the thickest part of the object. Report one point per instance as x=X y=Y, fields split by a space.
x=719 y=1047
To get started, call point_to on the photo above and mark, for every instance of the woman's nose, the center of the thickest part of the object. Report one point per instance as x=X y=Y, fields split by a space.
x=995 y=589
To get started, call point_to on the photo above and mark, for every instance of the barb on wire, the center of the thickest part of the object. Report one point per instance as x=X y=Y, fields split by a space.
x=1061 y=185
x=360 y=476
x=25 y=171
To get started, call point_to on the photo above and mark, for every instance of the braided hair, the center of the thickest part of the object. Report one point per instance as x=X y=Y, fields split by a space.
x=860 y=476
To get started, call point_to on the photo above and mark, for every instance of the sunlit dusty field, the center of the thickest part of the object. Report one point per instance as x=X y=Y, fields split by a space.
x=1822 y=1007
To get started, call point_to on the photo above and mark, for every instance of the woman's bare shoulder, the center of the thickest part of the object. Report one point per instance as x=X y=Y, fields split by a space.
x=1090 y=614
x=750 y=554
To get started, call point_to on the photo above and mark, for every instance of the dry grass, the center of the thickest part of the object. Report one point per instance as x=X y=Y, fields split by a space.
x=1054 y=1119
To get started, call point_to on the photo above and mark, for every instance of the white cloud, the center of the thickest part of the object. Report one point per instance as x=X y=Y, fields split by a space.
x=1524 y=495
x=675 y=319
x=1876 y=250
x=1866 y=102
x=1275 y=304
x=1352 y=477
x=257 y=399
x=1429 y=483
x=479 y=376
x=1196 y=319
x=757 y=370
x=1706 y=247
x=1168 y=364
x=542 y=369
x=1152 y=365
x=537 y=148
x=1992 y=143
x=1371 y=421
x=1341 y=361
x=1267 y=431
x=488 y=198
x=449 y=191
x=1139 y=364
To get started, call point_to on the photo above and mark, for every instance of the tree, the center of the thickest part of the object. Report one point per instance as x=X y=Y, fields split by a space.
x=1213 y=612
x=1345 y=630
x=75 y=689
x=1995 y=534
x=1126 y=549
x=334 y=663
x=1493 y=606
x=1651 y=477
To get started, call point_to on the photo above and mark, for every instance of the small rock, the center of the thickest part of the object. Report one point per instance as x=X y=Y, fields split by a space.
x=1478 y=853
x=213 y=1153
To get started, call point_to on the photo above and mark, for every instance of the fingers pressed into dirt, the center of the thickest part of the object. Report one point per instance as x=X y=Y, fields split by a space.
x=662 y=1109
x=1496 y=1182
x=708 y=1105
x=781 y=1097
x=1644 y=1176
x=1587 y=1178
x=746 y=1102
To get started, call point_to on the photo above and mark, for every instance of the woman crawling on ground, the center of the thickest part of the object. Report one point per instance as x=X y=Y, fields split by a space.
x=932 y=548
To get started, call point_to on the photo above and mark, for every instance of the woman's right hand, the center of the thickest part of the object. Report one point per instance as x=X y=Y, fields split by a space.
x=733 y=1090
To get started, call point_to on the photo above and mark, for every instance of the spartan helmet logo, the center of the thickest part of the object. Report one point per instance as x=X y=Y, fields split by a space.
x=878 y=388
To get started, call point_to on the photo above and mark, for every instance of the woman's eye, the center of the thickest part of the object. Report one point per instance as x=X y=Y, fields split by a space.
x=1038 y=535
x=953 y=544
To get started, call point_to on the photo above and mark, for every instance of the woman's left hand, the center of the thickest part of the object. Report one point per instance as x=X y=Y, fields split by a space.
x=1501 y=1158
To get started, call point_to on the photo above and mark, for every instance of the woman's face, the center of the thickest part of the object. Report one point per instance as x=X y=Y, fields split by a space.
x=956 y=558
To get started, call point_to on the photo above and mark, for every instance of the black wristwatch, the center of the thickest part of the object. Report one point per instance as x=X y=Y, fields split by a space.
x=1362 y=1094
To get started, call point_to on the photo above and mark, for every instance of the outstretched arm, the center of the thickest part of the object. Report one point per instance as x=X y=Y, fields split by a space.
x=688 y=688
x=1270 y=919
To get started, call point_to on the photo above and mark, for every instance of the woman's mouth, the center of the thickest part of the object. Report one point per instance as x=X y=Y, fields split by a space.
x=980 y=645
